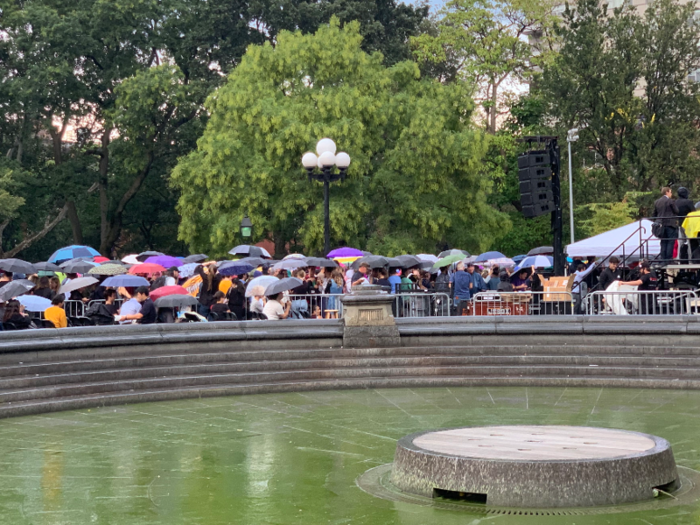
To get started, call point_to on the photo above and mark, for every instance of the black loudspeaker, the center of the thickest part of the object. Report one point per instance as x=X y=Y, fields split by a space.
x=535 y=176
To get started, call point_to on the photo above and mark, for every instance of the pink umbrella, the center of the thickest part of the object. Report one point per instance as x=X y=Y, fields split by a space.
x=147 y=269
x=167 y=290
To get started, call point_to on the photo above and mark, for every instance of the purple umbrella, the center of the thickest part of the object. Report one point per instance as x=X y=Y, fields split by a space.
x=165 y=261
x=345 y=252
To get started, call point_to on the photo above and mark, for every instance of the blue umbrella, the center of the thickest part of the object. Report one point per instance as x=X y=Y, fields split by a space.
x=127 y=281
x=72 y=252
x=487 y=256
x=34 y=303
x=518 y=258
x=235 y=268
x=538 y=261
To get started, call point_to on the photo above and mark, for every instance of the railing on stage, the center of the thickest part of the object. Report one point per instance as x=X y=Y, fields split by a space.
x=410 y=304
x=642 y=302
x=518 y=303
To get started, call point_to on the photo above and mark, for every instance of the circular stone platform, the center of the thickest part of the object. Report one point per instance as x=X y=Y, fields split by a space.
x=535 y=466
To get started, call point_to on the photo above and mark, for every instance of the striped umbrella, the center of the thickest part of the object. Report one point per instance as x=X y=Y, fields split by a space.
x=108 y=269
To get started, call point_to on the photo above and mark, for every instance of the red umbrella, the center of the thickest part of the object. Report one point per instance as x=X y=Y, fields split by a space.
x=167 y=290
x=100 y=259
x=146 y=268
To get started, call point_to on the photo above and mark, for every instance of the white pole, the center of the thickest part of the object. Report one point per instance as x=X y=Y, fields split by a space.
x=571 y=198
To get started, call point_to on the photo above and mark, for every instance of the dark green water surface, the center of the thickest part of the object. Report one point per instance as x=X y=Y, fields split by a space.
x=294 y=458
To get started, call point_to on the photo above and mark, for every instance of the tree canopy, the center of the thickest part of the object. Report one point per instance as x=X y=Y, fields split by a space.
x=414 y=180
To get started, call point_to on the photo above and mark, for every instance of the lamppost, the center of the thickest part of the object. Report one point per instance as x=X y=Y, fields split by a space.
x=246 y=228
x=572 y=136
x=319 y=166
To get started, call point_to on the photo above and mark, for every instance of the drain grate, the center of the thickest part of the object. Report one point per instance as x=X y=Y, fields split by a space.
x=377 y=482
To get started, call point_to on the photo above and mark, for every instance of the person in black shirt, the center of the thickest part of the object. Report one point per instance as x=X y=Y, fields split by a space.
x=236 y=297
x=43 y=290
x=220 y=307
x=665 y=211
x=647 y=281
x=685 y=206
x=610 y=274
x=147 y=315
x=14 y=314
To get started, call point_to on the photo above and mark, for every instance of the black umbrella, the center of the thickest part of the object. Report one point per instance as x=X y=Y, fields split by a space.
x=283 y=285
x=145 y=255
x=410 y=261
x=197 y=258
x=77 y=266
x=17 y=266
x=176 y=301
x=373 y=261
x=542 y=250
x=15 y=288
x=47 y=267
x=252 y=251
x=320 y=262
x=254 y=261
x=516 y=275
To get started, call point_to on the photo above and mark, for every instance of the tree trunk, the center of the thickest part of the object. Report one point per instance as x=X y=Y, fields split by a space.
x=280 y=245
x=104 y=200
x=494 y=105
x=28 y=241
x=72 y=214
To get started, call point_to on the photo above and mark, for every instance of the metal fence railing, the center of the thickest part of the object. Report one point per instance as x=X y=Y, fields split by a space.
x=642 y=302
x=421 y=304
x=74 y=308
x=518 y=303
x=328 y=306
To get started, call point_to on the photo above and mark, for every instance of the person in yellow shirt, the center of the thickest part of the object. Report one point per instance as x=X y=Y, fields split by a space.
x=691 y=225
x=55 y=313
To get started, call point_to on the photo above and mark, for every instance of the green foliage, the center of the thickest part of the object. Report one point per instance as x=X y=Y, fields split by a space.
x=10 y=202
x=415 y=155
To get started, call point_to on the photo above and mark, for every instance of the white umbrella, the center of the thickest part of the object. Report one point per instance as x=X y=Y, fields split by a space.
x=258 y=285
x=427 y=257
x=290 y=264
x=34 y=303
x=293 y=256
x=131 y=259
x=77 y=284
x=500 y=261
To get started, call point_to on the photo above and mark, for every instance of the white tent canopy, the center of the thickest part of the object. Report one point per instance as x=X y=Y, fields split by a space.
x=620 y=241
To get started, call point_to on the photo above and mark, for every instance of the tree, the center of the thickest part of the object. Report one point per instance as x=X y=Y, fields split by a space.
x=486 y=41
x=414 y=180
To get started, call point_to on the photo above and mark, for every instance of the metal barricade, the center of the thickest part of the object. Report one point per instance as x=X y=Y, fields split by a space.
x=74 y=308
x=421 y=304
x=520 y=303
x=642 y=302
x=304 y=305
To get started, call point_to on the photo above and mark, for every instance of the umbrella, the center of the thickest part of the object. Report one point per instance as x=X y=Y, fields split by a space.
x=175 y=301
x=127 y=281
x=167 y=290
x=257 y=286
x=294 y=256
x=77 y=266
x=100 y=259
x=344 y=252
x=34 y=303
x=253 y=261
x=145 y=268
x=253 y=251
x=501 y=261
x=538 y=261
x=487 y=256
x=17 y=266
x=77 y=284
x=450 y=259
x=463 y=253
x=518 y=258
x=164 y=260
x=71 y=252
x=107 y=269
x=282 y=285
x=15 y=288
x=373 y=261
x=290 y=264
x=428 y=257
x=197 y=258
x=542 y=250
x=409 y=261
x=120 y=263
x=187 y=270
x=131 y=259
x=141 y=257
x=46 y=267
x=320 y=262
x=235 y=268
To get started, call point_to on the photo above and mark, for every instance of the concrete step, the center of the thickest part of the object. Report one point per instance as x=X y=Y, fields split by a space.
x=36 y=406
x=48 y=375
x=201 y=380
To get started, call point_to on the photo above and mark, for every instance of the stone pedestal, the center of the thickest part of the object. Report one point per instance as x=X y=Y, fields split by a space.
x=368 y=319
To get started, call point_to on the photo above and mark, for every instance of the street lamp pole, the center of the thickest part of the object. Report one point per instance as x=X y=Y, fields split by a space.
x=572 y=136
x=319 y=166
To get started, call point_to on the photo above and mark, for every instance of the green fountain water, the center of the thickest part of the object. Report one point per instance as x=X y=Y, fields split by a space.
x=294 y=458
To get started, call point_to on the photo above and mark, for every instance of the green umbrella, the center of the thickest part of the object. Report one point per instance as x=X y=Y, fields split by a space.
x=108 y=269
x=450 y=259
